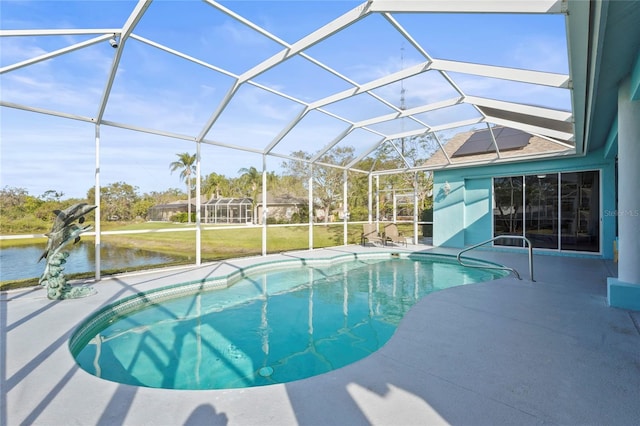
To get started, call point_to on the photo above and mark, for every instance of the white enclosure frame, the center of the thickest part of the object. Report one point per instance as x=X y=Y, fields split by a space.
x=536 y=120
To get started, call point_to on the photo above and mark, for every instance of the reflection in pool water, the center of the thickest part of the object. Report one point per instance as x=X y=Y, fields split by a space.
x=271 y=327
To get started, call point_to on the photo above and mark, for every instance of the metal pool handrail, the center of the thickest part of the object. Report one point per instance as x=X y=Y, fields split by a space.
x=505 y=268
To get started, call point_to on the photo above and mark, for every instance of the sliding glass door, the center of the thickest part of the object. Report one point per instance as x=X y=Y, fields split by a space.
x=508 y=207
x=554 y=211
x=580 y=211
x=541 y=223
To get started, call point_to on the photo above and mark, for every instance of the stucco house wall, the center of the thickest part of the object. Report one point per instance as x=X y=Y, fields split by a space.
x=464 y=216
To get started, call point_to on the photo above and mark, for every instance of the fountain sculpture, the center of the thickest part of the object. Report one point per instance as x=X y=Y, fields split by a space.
x=64 y=231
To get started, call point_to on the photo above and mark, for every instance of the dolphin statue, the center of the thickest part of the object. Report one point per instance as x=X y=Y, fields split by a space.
x=54 y=266
x=71 y=214
x=61 y=237
x=64 y=218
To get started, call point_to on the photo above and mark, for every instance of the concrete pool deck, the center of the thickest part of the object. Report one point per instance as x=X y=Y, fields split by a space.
x=503 y=352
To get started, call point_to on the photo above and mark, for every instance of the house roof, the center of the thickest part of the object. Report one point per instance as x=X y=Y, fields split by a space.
x=283 y=200
x=173 y=205
x=228 y=201
x=535 y=146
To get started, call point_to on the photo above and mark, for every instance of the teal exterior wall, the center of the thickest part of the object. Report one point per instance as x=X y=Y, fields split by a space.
x=464 y=216
x=477 y=209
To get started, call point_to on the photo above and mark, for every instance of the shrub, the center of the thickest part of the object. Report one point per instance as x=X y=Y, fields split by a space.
x=359 y=213
x=182 y=217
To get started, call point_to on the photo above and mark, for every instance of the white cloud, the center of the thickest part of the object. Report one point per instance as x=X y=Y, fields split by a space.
x=542 y=54
x=19 y=49
x=235 y=33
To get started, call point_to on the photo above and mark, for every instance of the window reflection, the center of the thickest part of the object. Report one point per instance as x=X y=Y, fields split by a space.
x=541 y=217
x=580 y=211
x=507 y=214
x=528 y=205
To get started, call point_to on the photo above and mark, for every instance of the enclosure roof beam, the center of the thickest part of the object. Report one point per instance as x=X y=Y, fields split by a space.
x=232 y=146
x=289 y=51
x=306 y=42
x=331 y=144
x=57 y=32
x=400 y=153
x=383 y=81
x=53 y=54
x=147 y=130
x=554 y=125
x=183 y=55
x=278 y=40
x=503 y=73
x=453 y=125
x=555 y=141
x=139 y=10
x=247 y=22
x=494 y=142
x=221 y=107
x=552 y=114
x=409 y=112
x=375 y=132
x=407 y=36
x=466 y=6
x=366 y=153
x=47 y=111
x=285 y=131
x=441 y=145
x=214 y=68
x=530 y=128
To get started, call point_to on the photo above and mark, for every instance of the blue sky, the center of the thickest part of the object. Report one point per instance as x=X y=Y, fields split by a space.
x=157 y=90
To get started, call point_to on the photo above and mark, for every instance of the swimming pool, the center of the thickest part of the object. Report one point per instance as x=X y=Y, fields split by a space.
x=272 y=323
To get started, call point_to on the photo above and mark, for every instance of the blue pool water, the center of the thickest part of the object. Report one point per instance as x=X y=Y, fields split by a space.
x=271 y=327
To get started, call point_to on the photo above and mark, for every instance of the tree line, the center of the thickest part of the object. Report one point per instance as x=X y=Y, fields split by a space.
x=22 y=212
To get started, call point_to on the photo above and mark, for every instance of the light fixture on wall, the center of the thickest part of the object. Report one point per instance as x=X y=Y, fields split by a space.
x=446 y=188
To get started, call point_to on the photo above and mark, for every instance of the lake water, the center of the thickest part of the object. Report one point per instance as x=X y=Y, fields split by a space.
x=22 y=262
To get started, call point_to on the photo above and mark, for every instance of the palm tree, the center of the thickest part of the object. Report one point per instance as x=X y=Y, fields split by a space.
x=186 y=165
x=212 y=185
x=252 y=178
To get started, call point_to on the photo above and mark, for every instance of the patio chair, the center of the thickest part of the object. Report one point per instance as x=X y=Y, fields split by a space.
x=392 y=234
x=370 y=234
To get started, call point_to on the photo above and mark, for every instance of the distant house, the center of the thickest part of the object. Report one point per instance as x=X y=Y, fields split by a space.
x=227 y=210
x=215 y=210
x=167 y=212
x=232 y=210
x=281 y=208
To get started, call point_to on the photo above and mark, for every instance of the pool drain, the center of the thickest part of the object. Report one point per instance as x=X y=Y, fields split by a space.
x=265 y=371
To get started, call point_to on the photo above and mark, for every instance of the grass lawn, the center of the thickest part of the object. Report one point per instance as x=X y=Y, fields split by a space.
x=223 y=242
